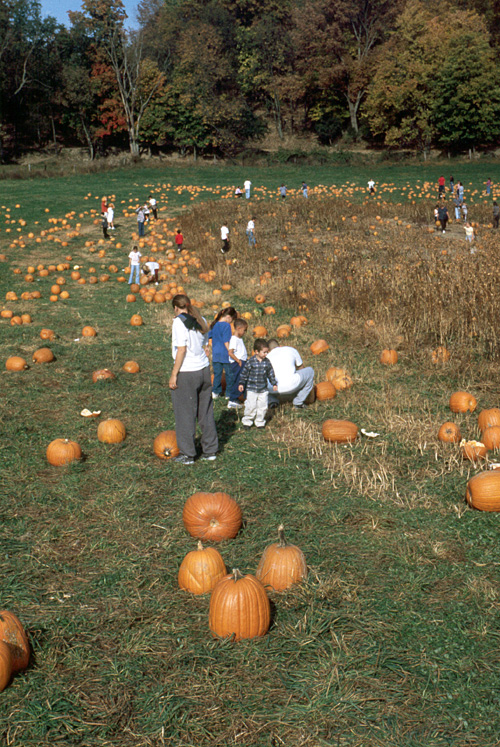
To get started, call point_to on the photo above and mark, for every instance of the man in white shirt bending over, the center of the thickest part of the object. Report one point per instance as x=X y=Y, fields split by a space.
x=151 y=269
x=294 y=381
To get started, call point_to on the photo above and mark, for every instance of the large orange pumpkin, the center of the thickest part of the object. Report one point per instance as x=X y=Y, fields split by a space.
x=111 y=431
x=483 y=491
x=319 y=346
x=449 y=433
x=325 y=390
x=388 y=357
x=339 y=431
x=15 y=363
x=201 y=570
x=5 y=665
x=165 y=445
x=462 y=402
x=43 y=355
x=488 y=417
x=239 y=607
x=281 y=564
x=491 y=437
x=12 y=632
x=212 y=516
x=63 y=451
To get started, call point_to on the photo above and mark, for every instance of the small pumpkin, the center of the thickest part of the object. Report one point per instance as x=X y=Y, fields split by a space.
x=281 y=564
x=102 y=374
x=325 y=390
x=16 y=363
x=89 y=331
x=111 y=431
x=47 y=334
x=473 y=450
x=43 y=355
x=165 y=445
x=239 y=607
x=259 y=331
x=339 y=378
x=488 y=417
x=201 y=570
x=483 y=491
x=491 y=437
x=449 y=433
x=212 y=516
x=5 y=665
x=319 y=346
x=131 y=367
x=63 y=451
x=12 y=633
x=440 y=355
x=388 y=357
x=462 y=402
x=339 y=431
x=136 y=320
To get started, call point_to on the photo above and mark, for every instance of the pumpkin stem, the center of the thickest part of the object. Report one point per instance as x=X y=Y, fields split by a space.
x=237 y=574
x=200 y=546
x=281 y=536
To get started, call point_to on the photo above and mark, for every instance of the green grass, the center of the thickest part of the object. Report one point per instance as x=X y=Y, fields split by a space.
x=393 y=640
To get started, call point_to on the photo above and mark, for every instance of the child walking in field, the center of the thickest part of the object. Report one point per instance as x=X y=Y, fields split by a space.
x=179 y=240
x=255 y=376
x=469 y=235
x=220 y=334
x=238 y=358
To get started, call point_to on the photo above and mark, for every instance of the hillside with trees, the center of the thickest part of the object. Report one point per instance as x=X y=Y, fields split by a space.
x=213 y=76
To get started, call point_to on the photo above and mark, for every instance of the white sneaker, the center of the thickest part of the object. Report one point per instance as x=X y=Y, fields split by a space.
x=215 y=396
x=234 y=405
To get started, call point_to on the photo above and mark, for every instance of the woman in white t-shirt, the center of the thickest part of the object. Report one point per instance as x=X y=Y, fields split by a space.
x=190 y=383
x=111 y=217
x=135 y=265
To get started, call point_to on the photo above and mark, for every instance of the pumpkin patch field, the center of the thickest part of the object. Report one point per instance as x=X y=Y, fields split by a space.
x=331 y=580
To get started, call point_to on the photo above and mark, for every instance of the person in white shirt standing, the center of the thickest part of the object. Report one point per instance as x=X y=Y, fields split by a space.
x=250 y=231
x=110 y=215
x=135 y=265
x=153 y=206
x=190 y=383
x=224 y=234
x=247 y=185
x=294 y=381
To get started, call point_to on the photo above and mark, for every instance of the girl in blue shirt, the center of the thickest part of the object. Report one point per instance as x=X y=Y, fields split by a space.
x=220 y=334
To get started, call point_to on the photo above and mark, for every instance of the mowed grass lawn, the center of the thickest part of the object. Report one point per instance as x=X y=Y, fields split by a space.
x=393 y=640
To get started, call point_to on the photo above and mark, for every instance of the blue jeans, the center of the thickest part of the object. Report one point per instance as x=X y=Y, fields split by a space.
x=137 y=269
x=236 y=372
x=140 y=227
x=251 y=238
x=247 y=194
x=218 y=368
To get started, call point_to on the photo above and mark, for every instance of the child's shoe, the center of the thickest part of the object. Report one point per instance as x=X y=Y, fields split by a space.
x=215 y=396
x=234 y=405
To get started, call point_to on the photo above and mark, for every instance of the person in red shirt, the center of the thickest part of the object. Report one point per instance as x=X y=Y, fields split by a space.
x=104 y=204
x=179 y=240
x=441 y=183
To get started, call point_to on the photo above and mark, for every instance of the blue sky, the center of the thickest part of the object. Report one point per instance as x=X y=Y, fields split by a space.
x=59 y=9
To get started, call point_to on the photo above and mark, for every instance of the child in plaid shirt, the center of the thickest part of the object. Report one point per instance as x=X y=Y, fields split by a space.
x=256 y=374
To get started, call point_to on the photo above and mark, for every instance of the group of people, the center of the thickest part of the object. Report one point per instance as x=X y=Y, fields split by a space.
x=247 y=186
x=272 y=374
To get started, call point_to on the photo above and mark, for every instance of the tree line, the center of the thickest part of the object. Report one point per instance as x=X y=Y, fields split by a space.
x=212 y=76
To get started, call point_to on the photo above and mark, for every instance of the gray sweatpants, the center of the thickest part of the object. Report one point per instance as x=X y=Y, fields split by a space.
x=192 y=400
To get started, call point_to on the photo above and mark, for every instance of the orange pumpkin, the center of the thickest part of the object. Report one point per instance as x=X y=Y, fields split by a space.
x=47 y=334
x=339 y=378
x=88 y=331
x=165 y=445
x=483 y=491
x=12 y=633
x=15 y=363
x=259 y=331
x=325 y=390
x=212 y=516
x=491 y=437
x=473 y=450
x=103 y=374
x=319 y=346
x=5 y=665
x=449 y=433
x=440 y=355
x=111 y=431
x=201 y=570
x=239 y=607
x=388 y=357
x=43 y=355
x=136 y=320
x=462 y=402
x=488 y=417
x=281 y=564
x=63 y=451
x=339 y=431
x=131 y=367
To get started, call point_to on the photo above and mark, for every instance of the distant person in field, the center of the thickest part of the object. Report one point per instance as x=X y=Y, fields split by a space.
x=238 y=192
x=153 y=206
x=441 y=186
x=104 y=224
x=465 y=211
x=456 y=203
x=488 y=187
x=304 y=189
x=436 y=215
x=135 y=265
x=104 y=204
x=469 y=232
x=452 y=184
x=371 y=187
x=179 y=240
x=250 y=231
x=461 y=192
x=283 y=191
x=151 y=269
x=443 y=217
x=140 y=220
x=247 y=185
x=111 y=216
x=496 y=214
x=224 y=235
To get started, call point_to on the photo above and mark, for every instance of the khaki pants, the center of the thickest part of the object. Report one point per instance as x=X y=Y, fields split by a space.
x=255 y=409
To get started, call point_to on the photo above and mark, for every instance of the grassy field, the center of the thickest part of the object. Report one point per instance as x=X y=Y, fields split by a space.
x=394 y=638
